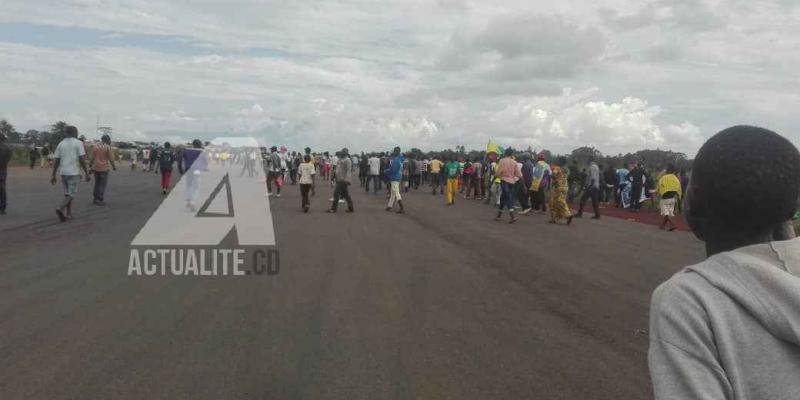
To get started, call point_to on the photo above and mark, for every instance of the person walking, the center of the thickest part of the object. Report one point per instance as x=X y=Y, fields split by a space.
x=669 y=191
x=637 y=180
x=33 y=155
x=559 y=209
x=591 y=190
x=508 y=173
x=344 y=171
x=46 y=156
x=100 y=163
x=452 y=169
x=374 y=174
x=610 y=180
x=153 y=158
x=273 y=167
x=477 y=179
x=5 y=157
x=294 y=163
x=134 y=154
x=166 y=159
x=408 y=166
x=527 y=181
x=394 y=172
x=313 y=162
x=191 y=165
x=540 y=183
x=306 y=171
x=435 y=174
x=69 y=159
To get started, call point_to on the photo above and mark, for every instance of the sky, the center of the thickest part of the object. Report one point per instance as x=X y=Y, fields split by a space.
x=617 y=75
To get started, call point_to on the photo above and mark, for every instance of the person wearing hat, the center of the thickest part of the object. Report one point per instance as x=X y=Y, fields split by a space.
x=344 y=169
x=5 y=157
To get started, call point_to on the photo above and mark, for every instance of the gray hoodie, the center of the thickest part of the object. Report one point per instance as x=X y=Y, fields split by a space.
x=729 y=327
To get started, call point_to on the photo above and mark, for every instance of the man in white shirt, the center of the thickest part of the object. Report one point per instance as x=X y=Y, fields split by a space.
x=374 y=173
x=69 y=156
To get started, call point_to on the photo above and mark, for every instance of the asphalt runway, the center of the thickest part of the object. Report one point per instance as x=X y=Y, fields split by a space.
x=440 y=303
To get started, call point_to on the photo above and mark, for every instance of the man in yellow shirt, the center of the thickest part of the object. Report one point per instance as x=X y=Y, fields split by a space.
x=436 y=169
x=669 y=190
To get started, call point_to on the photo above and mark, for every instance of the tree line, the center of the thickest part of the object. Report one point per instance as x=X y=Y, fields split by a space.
x=33 y=137
x=652 y=159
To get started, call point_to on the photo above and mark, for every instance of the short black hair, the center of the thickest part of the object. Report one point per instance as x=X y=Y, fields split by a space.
x=749 y=178
x=70 y=131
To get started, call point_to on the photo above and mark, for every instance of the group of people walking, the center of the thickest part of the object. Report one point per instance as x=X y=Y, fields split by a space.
x=516 y=183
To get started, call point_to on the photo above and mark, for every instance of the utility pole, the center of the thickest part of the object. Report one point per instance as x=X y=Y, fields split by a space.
x=102 y=130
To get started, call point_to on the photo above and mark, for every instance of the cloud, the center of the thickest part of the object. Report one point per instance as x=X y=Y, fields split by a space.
x=624 y=126
x=422 y=73
x=524 y=46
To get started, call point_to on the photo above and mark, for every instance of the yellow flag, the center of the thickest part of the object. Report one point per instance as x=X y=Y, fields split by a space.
x=492 y=147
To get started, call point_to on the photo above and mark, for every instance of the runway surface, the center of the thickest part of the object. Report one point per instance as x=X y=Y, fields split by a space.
x=439 y=303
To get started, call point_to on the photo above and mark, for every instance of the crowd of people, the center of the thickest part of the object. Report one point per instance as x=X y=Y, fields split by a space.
x=518 y=183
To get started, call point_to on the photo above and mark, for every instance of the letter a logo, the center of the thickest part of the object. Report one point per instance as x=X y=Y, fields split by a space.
x=227 y=201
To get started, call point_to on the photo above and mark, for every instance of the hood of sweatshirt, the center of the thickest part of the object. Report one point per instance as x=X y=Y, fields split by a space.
x=765 y=280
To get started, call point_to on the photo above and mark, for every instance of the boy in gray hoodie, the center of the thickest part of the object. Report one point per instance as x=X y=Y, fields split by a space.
x=729 y=327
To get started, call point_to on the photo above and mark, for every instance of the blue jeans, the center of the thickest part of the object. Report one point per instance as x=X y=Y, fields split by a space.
x=506 y=196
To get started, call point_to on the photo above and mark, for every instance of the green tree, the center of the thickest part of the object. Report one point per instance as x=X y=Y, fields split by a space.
x=8 y=129
x=31 y=137
x=584 y=154
x=57 y=134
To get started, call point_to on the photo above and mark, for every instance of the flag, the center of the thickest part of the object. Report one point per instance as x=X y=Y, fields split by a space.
x=493 y=147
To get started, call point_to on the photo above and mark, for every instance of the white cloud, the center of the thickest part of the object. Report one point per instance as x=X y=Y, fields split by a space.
x=424 y=73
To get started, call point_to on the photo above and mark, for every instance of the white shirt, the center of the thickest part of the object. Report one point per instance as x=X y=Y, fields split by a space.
x=69 y=151
x=306 y=170
x=374 y=165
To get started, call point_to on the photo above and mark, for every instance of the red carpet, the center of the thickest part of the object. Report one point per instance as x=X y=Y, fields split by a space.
x=647 y=215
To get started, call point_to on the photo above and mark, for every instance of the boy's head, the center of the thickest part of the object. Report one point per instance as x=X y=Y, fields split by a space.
x=307 y=158
x=105 y=139
x=71 y=131
x=745 y=180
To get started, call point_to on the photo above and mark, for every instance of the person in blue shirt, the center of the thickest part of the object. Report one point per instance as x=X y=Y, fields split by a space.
x=622 y=178
x=395 y=175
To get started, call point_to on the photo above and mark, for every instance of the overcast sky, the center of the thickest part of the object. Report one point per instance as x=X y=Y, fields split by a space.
x=619 y=75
